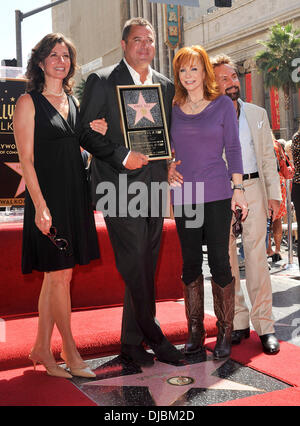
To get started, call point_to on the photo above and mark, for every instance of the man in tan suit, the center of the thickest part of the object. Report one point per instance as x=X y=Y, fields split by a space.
x=262 y=191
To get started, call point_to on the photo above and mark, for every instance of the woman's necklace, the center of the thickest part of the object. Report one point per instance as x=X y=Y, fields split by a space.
x=53 y=93
x=194 y=105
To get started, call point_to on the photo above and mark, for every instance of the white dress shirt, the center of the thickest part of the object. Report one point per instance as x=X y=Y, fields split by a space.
x=136 y=76
x=248 y=151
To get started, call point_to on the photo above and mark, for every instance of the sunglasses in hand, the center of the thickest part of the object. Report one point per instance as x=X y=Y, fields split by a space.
x=237 y=227
x=61 y=243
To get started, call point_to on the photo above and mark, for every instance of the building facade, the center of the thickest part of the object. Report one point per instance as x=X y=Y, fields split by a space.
x=96 y=27
x=237 y=32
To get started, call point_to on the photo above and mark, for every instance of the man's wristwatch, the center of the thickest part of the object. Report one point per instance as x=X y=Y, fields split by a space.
x=239 y=186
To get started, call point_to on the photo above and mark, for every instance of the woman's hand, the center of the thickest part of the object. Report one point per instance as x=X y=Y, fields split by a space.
x=99 y=126
x=239 y=200
x=174 y=177
x=43 y=219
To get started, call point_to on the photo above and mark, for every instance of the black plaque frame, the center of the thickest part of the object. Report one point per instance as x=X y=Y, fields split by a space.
x=147 y=135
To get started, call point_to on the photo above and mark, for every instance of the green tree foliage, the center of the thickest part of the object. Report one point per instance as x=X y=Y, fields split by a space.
x=276 y=62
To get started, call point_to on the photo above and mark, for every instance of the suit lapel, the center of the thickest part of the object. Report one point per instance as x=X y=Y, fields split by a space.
x=158 y=80
x=155 y=77
x=123 y=76
x=253 y=123
x=256 y=128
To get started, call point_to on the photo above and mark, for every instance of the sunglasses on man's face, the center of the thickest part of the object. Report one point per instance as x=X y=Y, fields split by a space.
x=237 y=227
x=61 y=243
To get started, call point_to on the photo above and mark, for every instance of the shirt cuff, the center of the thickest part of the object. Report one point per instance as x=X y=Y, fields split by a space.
x=126 y=158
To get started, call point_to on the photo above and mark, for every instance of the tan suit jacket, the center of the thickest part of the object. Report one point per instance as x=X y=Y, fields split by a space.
x=258 y=122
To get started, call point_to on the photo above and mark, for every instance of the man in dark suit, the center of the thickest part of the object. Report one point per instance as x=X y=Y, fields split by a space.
x=135 y=240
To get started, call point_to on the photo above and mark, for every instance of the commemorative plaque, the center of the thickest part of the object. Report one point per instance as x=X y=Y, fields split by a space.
x=143 y=120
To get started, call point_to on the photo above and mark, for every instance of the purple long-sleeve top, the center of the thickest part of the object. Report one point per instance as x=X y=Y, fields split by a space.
x=199 y=141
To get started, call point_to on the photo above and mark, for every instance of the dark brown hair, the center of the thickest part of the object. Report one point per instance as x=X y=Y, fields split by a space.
x=135 y=22
x=39 y=53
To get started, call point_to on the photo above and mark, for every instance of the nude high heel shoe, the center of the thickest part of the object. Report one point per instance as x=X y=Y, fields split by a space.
x=52 y=370
x=85 y=372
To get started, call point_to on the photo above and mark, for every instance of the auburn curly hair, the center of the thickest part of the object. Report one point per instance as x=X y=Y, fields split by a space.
x=188 y=55
x=39 y=53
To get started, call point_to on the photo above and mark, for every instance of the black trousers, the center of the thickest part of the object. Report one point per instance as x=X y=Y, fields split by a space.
x=296 y=201
x=216 y=229
x=136 y=243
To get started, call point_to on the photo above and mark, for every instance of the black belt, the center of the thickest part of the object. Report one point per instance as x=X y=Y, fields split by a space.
x=251 y=176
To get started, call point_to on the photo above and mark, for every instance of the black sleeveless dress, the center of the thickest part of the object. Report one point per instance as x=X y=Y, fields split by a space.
x=63 y=182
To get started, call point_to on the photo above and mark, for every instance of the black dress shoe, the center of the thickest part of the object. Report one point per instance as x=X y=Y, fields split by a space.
x=270 y=344
x=136 y=354
x=166 y=352
x=276 y=258
x=238 y=335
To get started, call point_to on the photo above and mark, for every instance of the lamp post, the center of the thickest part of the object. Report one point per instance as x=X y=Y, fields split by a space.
x=19 y=18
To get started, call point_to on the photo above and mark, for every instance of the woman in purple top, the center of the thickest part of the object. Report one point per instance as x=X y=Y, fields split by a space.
x=204 y=124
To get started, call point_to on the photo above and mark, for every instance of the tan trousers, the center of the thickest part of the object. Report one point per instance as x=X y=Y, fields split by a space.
x=258 y=280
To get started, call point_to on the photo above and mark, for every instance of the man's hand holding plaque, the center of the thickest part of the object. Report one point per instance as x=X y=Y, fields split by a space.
x=136 y=160
x=143 y=121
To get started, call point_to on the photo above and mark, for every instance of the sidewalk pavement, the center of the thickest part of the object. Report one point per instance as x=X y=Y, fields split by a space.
x=285 y=278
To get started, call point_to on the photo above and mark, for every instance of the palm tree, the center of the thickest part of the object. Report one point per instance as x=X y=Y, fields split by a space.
x=275 y=62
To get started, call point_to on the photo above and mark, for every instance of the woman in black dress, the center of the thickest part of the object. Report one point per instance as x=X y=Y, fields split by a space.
x=59 y=228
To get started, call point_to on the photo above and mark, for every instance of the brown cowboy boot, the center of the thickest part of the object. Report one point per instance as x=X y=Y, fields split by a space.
x=194 y=310
x=224 y=310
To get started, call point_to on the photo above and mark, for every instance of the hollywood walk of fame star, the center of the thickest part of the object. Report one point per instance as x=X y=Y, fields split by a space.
x=157 y=379
x=16 y=167
x=142 y=109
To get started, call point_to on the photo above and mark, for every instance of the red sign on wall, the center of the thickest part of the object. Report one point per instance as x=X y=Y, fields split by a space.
x=248 y=84
x=275 y=112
